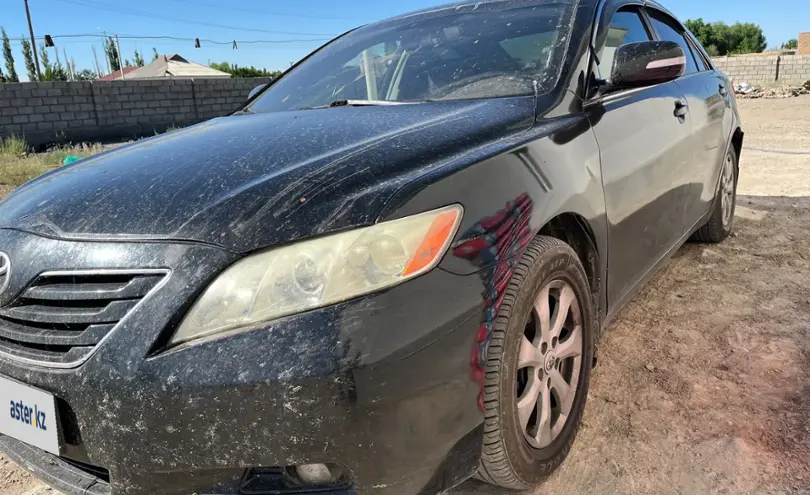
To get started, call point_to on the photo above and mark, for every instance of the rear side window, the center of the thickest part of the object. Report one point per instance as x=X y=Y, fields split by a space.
x=669 y=30
x=625 y=27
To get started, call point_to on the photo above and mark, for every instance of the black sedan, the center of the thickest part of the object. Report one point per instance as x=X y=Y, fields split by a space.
x=386 y=273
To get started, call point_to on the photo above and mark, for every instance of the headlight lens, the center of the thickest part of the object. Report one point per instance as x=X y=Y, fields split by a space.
x=320 y=272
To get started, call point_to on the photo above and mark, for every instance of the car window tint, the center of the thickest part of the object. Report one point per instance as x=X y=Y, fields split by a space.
x=625 y=27
x=668 y=29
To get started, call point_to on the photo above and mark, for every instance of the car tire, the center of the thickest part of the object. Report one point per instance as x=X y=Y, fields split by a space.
x=721 y=223
x=513 y=457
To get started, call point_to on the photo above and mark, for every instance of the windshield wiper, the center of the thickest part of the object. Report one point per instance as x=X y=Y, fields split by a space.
x=360 y=103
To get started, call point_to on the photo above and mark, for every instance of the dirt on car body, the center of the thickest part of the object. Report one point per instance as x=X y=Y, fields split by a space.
x=703 y=383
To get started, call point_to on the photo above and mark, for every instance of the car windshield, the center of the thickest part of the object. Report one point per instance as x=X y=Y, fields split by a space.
x=483 y=50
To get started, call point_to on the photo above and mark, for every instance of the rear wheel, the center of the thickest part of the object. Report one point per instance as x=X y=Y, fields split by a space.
x=538 y=367
x=721 y=222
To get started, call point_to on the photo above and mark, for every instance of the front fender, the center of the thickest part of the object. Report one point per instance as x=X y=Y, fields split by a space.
x=510 y=190
x=509 y=195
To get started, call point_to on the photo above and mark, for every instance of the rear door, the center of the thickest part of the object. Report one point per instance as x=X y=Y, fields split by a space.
x=707 y=97
x=645 y=154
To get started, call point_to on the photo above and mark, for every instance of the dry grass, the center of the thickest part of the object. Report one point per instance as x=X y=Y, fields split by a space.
x=18 y=167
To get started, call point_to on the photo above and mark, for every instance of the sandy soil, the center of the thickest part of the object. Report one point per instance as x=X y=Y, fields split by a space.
x=703 y=383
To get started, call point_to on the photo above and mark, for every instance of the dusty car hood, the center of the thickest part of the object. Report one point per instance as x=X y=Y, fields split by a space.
x=249 y=181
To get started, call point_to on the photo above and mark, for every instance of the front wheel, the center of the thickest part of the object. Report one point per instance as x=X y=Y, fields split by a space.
x=538 y=367
x=721 y=222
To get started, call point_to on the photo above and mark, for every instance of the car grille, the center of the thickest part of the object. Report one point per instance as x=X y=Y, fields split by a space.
x=62 y=316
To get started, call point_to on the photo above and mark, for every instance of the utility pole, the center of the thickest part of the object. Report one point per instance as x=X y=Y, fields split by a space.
x=120 y=60
x=33 y=40
x=104 y=46
x=95 y=59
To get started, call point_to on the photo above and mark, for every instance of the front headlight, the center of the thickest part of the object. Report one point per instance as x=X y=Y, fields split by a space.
x=320 y=272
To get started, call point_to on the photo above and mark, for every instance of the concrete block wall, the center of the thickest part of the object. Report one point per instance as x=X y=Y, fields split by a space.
x=795 y=69
x=766 y=69
x=59 y=112
x=752 y=69
x=216 y=97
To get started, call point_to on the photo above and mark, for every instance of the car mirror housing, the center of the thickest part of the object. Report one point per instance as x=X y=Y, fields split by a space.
x=646 y=63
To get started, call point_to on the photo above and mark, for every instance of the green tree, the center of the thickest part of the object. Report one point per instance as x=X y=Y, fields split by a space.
x=251 y=71
x=9 y=57
x=712 y=51
x=155 y=54
x=746 y=38
x=721 y=39
x=705 y=33
x=85 y=75
x=138 y=59
x=791 y=44
x=28 y=56
x=43 y=57
x=51 y=72
x=112 y=54
x=55 y=73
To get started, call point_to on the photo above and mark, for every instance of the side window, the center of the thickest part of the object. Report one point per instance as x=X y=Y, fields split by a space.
x=701 y=64
x=625 y=27
x=669 y=30
x=700 y=54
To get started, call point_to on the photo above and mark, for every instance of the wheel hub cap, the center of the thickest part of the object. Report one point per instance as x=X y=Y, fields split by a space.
x=549 y=364
x=551 y=361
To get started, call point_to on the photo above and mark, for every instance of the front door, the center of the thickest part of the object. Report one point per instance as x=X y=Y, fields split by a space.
x=708 y=106
x=643 y=137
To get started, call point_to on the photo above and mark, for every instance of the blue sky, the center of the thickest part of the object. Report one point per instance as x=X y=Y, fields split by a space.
x=289 y=21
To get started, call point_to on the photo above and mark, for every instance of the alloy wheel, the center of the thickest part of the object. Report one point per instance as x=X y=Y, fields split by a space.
x=549 y=364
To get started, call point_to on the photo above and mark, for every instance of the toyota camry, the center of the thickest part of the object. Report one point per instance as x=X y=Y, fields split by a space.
x=386 y=272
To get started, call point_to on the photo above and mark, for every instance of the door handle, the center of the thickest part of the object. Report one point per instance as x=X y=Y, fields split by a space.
x=723 y=91
x=681 y=109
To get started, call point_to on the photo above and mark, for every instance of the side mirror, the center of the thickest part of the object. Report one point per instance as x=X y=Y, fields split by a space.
x=647 y=63
x=256 y=90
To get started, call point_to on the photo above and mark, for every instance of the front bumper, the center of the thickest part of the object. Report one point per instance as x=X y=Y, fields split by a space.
x=57 y=472
x=380 y=385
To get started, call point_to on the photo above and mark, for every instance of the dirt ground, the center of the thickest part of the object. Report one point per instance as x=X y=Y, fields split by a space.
x=703 y=382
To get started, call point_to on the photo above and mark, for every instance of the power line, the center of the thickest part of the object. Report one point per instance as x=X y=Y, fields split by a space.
x=95 y=5
x=174 y=43
x=259 y=12
x=175 y=38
